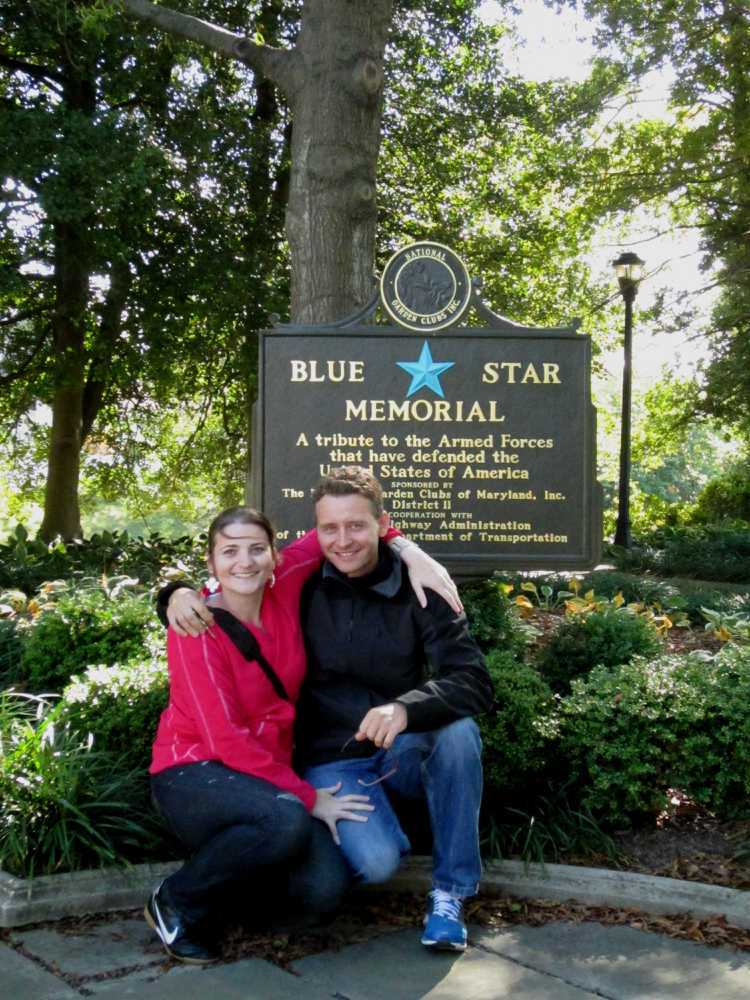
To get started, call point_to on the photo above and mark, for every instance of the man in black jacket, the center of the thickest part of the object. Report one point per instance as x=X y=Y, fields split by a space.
x=387 y=702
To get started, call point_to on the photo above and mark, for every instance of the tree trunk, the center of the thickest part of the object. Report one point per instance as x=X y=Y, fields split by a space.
x=61 y=511
x=333 y=82
x=62 y=514
x=336 y=104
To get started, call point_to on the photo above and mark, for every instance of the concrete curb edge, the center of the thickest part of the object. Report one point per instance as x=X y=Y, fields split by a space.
x=52 y=897
x=73 y=894
x=596 y=887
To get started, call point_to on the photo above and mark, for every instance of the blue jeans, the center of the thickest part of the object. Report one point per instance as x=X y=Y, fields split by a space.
x=443 y=767
x=257 y=853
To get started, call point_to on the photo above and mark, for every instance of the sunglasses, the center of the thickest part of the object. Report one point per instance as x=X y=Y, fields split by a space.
x=389 y=774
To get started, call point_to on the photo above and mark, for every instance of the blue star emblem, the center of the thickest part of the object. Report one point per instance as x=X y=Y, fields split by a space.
x=425 y=372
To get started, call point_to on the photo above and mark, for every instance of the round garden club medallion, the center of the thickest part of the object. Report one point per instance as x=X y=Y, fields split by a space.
x=425 y=286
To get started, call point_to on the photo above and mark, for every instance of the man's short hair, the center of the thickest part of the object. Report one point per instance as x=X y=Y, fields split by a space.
x=349 y=479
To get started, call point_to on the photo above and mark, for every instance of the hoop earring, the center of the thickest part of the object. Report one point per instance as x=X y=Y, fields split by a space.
x=273 y=580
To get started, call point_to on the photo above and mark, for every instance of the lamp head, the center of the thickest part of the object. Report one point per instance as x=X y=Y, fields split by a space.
x=629 y=270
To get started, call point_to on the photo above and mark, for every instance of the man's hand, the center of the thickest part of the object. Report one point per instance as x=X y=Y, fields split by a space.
x=187 y=613
x=382 y=724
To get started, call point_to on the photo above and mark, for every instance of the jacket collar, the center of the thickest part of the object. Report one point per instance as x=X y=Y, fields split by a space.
x=385 y=579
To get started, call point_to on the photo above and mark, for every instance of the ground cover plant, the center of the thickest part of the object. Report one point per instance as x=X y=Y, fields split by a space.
x=596 y=769
x=90 y=624
x=599 y=715
x=66 y=805
x=706 y=552
x=26 y=563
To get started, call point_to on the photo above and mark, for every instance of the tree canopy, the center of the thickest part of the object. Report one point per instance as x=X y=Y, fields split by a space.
x=154 y=163
x=698 y=162
x=141 y=232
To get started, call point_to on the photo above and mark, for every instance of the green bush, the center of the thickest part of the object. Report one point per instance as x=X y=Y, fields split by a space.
x=120 y=706
x=708 y=552
x=607 y=635
x=518 y=730
x=492 y=618
x=65 y=806
x=728 y=496
x=630 y=734
x=11 y=651
x=26 y=563
x=550 y=825
x=713 y=760
x=606 y=583
x=87 y=627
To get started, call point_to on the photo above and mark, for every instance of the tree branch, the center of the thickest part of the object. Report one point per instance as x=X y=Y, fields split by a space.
x=30 y=69
x=27 y=314
x=19 y=372
x=273 y=63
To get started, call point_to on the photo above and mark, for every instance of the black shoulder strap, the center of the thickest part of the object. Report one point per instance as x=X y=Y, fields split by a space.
x=248 y=645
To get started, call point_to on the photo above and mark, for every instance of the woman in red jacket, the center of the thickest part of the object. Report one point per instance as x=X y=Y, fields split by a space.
x=262 y=840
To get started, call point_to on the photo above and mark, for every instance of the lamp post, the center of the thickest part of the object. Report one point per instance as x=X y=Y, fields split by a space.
x=629 y=270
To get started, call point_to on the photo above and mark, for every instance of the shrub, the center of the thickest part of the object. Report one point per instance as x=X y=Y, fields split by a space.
x=63 y=805
x=551 y=826
x=515 y=736
x=25 y=563
x=11 y=651
x=713 y=760
x=87 y=627
x=120 y=706
x=552 y=589
x=606 y=635
x=712 y=553
x=492 y=618
x=631 y=733
x=709 y=552
x=727 y=496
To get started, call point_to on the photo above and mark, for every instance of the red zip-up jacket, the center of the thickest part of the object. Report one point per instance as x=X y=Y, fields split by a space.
x=222 y=707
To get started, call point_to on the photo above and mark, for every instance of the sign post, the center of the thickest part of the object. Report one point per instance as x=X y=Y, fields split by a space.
x=483 y=438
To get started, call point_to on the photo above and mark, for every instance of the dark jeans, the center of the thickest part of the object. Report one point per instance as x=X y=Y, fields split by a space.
x=257 y=853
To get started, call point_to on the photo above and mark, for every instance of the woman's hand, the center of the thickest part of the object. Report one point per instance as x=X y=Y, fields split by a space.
x=188 y=614
x=424 y=571
x=330 y=809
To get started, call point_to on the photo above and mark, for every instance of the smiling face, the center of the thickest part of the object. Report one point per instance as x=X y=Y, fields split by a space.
x=242 y=560
x=349 y=532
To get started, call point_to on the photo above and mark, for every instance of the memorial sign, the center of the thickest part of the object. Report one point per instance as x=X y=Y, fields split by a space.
x=483 y=438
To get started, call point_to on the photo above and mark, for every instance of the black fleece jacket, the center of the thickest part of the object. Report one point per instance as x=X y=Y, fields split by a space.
x=368 y=643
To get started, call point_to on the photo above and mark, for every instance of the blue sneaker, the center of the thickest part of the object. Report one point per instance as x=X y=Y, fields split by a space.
x=445 y=929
